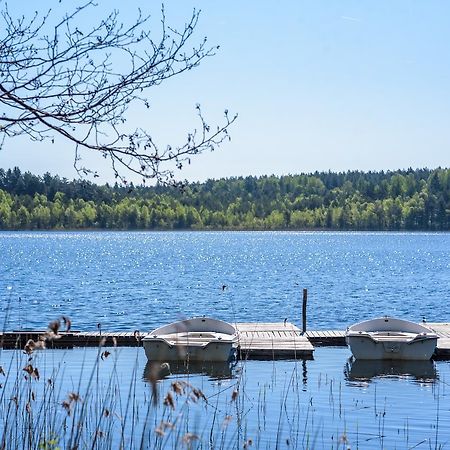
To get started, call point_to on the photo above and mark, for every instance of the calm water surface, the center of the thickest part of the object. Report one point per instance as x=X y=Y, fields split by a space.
x=326 y=403
x=140 y=280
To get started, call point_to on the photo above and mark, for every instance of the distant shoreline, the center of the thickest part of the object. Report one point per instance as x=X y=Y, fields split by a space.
x=412 y=200
x=190 y=230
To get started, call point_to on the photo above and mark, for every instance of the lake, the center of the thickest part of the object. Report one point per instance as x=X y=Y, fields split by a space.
x=330 y=402
x=141 y=280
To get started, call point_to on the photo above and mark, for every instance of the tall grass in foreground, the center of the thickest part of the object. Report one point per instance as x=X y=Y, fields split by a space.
x=101 y=412
x=48 y=402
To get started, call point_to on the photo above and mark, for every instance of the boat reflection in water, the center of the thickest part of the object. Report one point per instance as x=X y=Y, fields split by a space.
x=212 y=369
x=367 y=370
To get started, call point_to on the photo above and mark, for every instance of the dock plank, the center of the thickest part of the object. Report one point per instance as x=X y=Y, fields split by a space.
x=266 y=326
x=322 y=338
x=443 y=343
x=272 y=341
x=441 y=329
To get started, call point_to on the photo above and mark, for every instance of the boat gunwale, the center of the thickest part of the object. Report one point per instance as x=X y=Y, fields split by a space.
x=207 y=325
x=407 y=338
x=378 y=324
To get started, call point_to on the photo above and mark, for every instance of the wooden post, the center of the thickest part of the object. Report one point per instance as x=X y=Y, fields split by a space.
x=305 y=299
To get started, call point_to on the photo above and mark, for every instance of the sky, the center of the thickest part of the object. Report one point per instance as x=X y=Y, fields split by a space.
x=318 y=85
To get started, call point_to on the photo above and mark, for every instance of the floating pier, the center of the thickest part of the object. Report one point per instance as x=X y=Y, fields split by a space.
x=443 y=344
x=279 y=340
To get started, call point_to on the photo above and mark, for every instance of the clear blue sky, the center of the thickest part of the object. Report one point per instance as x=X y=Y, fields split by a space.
x=318 y=85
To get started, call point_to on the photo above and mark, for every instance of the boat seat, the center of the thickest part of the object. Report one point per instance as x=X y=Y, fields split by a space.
x=196 y=338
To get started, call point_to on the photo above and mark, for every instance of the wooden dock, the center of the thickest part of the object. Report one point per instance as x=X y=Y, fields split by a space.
x=280 y=340
x=326 y=338
x=256 y=340
x=443 y=343
x=273 y=341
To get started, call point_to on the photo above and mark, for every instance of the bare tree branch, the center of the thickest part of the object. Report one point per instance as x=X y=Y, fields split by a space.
x=63 y=80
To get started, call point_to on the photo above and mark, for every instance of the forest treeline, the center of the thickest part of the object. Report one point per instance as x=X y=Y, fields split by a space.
x=398 y=200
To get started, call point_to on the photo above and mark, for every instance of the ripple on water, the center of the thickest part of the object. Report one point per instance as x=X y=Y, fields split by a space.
x=350 y=276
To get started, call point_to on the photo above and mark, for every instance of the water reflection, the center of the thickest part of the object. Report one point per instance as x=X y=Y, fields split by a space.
x=304 y=374
x=366 y=370
x=212 y=370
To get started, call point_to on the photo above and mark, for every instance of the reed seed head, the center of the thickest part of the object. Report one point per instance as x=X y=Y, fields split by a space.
x=188 y=438
x=32 y=371
x=29 y=347
x=74 y=397
x=54 y=326
x=227 y=421
x=49 y=336
x=168 y=425
x=169 y=401
x=178 y=387
x=160 y=430
x=66 y=405
x=198 y=394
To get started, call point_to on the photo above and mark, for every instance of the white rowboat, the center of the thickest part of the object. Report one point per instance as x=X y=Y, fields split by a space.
x=197 y=340
x=390 y=338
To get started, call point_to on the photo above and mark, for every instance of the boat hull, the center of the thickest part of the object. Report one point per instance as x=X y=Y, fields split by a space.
x=159 y=350
x=199 y=339
x=365 y=347
x=391 y=338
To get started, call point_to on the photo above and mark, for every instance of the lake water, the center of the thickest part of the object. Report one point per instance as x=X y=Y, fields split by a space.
x=140 y=280
x=128 y=281
x=328 y=403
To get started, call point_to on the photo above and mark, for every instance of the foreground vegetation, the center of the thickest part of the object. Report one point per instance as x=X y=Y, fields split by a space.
x=100 y=399
x=401 y=200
